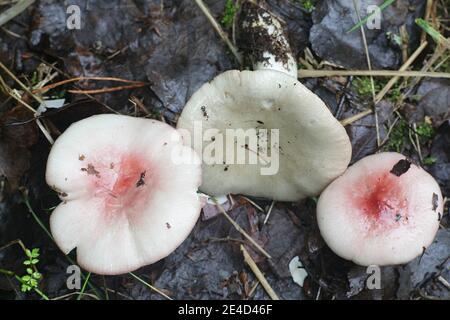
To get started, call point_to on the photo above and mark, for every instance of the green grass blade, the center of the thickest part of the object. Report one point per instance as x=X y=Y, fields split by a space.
x=383 y=6
x=430 y=31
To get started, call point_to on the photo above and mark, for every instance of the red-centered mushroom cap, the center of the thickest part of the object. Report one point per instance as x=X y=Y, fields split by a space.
x=126 y=203
x=383 y=210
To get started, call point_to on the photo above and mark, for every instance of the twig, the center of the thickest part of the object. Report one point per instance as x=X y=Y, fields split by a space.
x=60 y=83
x=259 y=275
x=305 y=73
x=405 y=66
x=14 y=11
x=405 y=42
x=356 y=117
x=106 y=90
x=13 y=94
x=442 y=280
x=24 y=87
x=150 y=286
x=391 y=127
x=253 y=203
x=319 y=291
x=242 y=231
x=369 y=65
x=76 y=293
x=269 y=212
x=413 y=143
x=423 y=35
x=436 y=55
x=419 y=151
x=219 y=30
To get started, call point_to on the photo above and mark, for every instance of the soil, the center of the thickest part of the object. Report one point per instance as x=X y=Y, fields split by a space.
x=173 y=50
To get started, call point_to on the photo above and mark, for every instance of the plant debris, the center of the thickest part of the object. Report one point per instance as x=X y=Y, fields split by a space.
x=166 y=50
x=401 y=167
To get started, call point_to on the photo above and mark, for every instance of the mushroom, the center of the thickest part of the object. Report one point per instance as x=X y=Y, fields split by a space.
x=263 y=133
x=384 y=210
x=126 y=203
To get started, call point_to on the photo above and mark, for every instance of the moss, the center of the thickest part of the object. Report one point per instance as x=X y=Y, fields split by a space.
x=430 y=160
x=425 y=132
x=308 y=5
x=394 y=95
x=397 y=137
x=363 y=87
x=230 y=12
x=444 y=65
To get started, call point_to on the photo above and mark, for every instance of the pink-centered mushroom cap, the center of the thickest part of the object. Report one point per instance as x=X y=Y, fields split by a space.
x=383 y=210
x=126 y=203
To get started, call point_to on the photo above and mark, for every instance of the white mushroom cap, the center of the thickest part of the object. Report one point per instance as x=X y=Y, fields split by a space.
x=313 y=146
x=125 y=204
x=383 y=210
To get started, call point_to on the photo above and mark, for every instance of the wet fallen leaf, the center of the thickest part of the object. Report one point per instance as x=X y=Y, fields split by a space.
x=16 y=138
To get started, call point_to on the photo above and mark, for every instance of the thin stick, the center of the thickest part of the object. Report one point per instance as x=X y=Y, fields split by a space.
x=242 y=231
x=269 y=212
x=150 y=286
x=60 y=83
x=366 y=48
x=405 y=66
x=444 y=282
x=14 y=11
x=93 y=296
x=106 y=90
x=305 y=73
x=369 y=65
x=419 y=151
x=259 y=275
x=413 y=143
x=219 y=30
x=24 y=87
x=436 y=55
x=356 y=117
x=253 y=203
x=429 y=5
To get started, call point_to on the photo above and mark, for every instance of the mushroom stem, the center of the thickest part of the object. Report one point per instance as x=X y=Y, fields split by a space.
x=263 y=40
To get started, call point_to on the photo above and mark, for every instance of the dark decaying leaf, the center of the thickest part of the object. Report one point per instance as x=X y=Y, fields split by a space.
x=441 y=151
x=176 y=50
x=426 y=268
x=363 y=133
x=204 y=265
x=16 y=139
x=401 y=167
x=435 y=101
x=330 y=40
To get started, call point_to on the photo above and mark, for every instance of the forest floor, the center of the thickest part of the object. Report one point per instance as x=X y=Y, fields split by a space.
x=160 y=53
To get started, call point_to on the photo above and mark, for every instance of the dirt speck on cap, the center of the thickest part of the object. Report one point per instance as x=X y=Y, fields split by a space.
x=141 y=180
x=90 y=170
x=434 y=201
